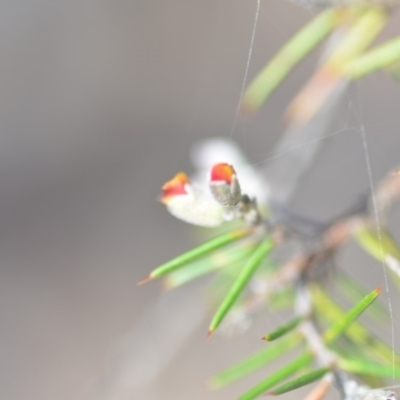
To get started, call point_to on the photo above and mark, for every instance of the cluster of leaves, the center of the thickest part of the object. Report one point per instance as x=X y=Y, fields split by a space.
x=332 y=341
x=356 y=350
x=351 y=30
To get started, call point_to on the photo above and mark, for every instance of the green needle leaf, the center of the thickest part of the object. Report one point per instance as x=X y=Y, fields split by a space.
x=241 y=281
x=270 y=77
x=300 y=362
x=198 y=251
x=343 y=324
x=382 y=247
x=378 y=246
x=380 y=57
x=283 y=329
x=254 y=362
x=331 y=312
x=361 y=35
x=218 y=259
x=366 y=368
x=300 y=381
x=353 y=290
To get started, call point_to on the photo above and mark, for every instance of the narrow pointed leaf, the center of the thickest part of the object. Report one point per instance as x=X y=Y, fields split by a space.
x=361 y=35
x=377 y=245
x=220 y=285
x=190 y=272
x=331 y=312
x=343 y=324
x=353 y=291
x=198 y=251
x=301 y=381
x=253 y=262
x=330 y=75
x=300 y=362
x=380 y=57
x=382 y=247
x=283 y=329
x=367 y=368
x=270 y=77
x=254 y=362
x=199 y=267
x=225 y=277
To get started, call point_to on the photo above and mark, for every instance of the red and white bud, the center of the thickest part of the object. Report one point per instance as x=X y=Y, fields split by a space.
x=190 y=204
x=179 y=185
x=224 y=184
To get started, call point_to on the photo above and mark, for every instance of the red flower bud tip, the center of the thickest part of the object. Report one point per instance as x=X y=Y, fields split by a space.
x=222 y=172
x=175 y=187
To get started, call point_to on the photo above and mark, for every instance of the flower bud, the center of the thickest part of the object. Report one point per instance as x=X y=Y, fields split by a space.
x=177 y=186
x=224 y=184
x=190 y=204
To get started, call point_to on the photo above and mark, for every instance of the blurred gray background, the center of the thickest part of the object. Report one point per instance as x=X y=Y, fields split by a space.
x=100 y=104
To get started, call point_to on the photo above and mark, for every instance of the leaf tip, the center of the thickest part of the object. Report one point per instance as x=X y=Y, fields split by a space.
x=211 y=384
x=145 y=280
x=210 y=332
x=247 y=111
x=378 y=290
